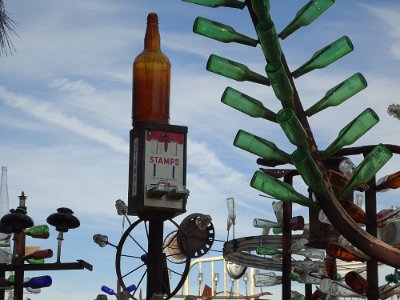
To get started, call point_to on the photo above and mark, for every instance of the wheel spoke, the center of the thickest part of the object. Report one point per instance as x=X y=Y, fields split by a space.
x=130 y=272
x=130 y=256
x=137 y=243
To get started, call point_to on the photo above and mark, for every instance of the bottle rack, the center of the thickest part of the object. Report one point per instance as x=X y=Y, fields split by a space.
x=281 y=79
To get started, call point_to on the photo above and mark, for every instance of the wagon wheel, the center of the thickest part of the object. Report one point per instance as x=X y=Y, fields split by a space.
x=132 y=256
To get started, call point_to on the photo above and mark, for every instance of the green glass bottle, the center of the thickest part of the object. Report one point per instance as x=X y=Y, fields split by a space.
x=292 y=127
x=277 y=230
x=309 y=171
x=221 y=32
x=326 y=56
x=367 y=169
x=33 y=261
x=260 y=147
x=269 y=40
x=278 y=189
x=38 y=232
x=339 y=93
x=233 y=70
x=246 y=104
x=261 y=9
x=280 y=83
x=217 y=3
x=352 y=131
x=307 y=14
x=263 y=250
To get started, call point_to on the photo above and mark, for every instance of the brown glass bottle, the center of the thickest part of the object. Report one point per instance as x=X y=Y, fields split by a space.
x=354 y=211
x=338 y=251
x=330 y=267
x=40 y=254
x=151 y=79
x=391 y=181
x=356 y=282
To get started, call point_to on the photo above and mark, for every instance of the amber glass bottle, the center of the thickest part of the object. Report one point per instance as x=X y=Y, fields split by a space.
x=151 y=79
x=391 y=181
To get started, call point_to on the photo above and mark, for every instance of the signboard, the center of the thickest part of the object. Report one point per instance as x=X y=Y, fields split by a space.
x=157 y=170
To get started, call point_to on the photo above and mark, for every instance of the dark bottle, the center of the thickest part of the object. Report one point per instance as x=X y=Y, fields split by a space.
x=40 y=254
x=217 y=3
x=330 y=267
x=151 y=79
x=355 y=212
x=356 y=282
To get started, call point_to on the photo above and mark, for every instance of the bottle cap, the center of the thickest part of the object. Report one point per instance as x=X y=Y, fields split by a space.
x=152 y=18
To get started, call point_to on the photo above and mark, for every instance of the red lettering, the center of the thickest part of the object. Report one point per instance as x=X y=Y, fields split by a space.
x=164 y=160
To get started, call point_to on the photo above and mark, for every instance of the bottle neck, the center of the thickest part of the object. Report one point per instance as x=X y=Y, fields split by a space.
x=152 y=37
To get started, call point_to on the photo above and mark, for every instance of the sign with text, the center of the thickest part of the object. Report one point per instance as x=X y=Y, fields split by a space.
x=157 y=176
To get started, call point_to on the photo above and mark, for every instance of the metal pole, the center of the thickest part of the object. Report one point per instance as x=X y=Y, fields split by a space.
x=19 y=243
x=286 y=245
x=372 y=264
x=155 y=258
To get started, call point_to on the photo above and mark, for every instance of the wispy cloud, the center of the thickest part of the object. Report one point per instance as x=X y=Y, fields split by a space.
x=45 y=112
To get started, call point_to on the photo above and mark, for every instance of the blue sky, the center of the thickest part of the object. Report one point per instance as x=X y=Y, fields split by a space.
x=65 y=103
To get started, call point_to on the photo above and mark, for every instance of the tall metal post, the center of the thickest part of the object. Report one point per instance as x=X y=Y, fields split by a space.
x=372 y=264
x=155 y=258
x=287 y=242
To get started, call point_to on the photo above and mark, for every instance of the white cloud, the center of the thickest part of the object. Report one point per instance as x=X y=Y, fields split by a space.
x=45 y=112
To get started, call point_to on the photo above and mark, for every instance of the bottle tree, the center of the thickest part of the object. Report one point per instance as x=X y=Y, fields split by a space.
x=330 y=193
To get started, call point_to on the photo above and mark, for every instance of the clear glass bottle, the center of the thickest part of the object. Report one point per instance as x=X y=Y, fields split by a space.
x=292 y=127
x=371 y=164
x=277 y=207
x=246 y=104
x=336 y=288
x=234 y=70
x=339 y=93
x=218 y=3
x=259 y=146
x=280 y=83
x=278 y=189
x=269 y=40
x=307 y=14
x=352 y=131
x=262 y=223
x=221 y=32
x=151 y=79
x=327 y=55
x=5 y=235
